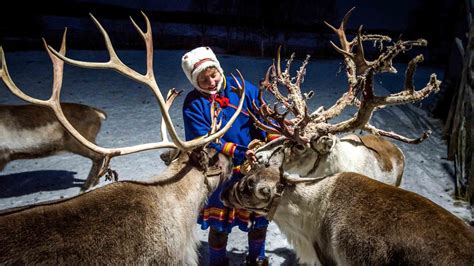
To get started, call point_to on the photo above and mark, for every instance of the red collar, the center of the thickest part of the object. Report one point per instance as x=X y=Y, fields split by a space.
x=221 y=100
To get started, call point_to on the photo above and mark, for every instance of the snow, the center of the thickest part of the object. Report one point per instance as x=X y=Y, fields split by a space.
x=134 y=118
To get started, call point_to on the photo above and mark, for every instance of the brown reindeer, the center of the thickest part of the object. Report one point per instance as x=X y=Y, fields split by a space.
x=336 y=217
x=309 y=146
x=125 y=222
x=350 y=219
x=30 y=132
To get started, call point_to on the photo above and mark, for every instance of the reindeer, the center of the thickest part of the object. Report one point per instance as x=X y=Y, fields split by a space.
x=313 y=148
x=350 y=219
x=30 y=132
x=337 y=217
x=125 y=222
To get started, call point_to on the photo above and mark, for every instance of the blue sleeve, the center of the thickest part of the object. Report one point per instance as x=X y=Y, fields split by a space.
x=197 y=124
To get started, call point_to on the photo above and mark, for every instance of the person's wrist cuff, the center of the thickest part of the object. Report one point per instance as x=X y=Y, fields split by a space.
x=229 y=149
x=271 y=136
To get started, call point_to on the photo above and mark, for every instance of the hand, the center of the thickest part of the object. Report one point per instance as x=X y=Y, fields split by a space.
x=252 y=147
x=250 y=156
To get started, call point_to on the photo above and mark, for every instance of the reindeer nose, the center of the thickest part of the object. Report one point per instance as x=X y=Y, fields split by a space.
x=265 y=191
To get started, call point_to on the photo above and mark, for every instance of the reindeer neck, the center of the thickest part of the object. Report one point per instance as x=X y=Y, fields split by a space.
x=299 y=216
x=183 y=181
x=343 y=158
x=304 y=202
x=331 y=163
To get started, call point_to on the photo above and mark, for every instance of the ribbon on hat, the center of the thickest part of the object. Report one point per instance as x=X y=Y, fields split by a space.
x=200 y=63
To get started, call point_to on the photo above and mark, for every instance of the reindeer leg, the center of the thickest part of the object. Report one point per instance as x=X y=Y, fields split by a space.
x=3 y=163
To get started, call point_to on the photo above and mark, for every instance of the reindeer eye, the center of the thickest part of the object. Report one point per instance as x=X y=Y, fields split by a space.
x=299 y=148
x=251 y=184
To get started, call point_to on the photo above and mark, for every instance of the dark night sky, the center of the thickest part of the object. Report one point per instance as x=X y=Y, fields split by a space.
x=234 y=26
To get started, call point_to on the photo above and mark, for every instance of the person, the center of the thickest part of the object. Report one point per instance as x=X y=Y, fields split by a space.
x=204 y=72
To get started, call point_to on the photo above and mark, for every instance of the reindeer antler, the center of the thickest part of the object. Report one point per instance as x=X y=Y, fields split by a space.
x=361 y=81
x=294 y=102
x=360 y=75
x=114 y=63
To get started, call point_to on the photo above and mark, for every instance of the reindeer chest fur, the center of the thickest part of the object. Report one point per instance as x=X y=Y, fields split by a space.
x=299 y=218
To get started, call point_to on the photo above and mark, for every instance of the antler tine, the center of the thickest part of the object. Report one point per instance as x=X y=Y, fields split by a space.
x=149 y=80
x=272 y=87
x=384 y=62
x=396 y=136
x=376 y=38
x=432 y=86
x=346 y=45
x=54 y=104
x=410 y=73
x=147 y=37
x=278 y=68
x=352 y=61
x=283 y=125
x=335 y=110
x=6 y=78
x=263 y=85
x=361 y=63
x=239 y=86
x=302 y=71
x=261 y=125
x=270 y=116
x=285 y=78
x=369 y=104
x=170 y=97
x=266 y=85
x=214 y=114
x=264 y=111
x=113 y=63
x=355 y=62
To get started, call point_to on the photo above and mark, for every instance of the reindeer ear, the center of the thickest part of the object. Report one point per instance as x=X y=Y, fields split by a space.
x=324 y=144
x=199 y=157
x=170 y=155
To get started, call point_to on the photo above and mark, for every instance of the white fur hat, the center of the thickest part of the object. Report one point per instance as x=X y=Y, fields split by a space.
x=197 y=60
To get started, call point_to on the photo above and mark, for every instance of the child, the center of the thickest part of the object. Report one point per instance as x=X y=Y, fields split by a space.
x=204 y=72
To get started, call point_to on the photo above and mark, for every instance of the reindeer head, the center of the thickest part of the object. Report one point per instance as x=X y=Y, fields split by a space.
x=261 y=190
x=212 y=163
x=216 y=166
x=295 y=157
x=254 y=192
x=308 y=136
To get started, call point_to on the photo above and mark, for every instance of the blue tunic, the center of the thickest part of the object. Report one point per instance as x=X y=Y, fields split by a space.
x=197 y=121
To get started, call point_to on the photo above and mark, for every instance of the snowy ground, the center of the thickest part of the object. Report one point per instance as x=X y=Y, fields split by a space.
x=133 y=118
